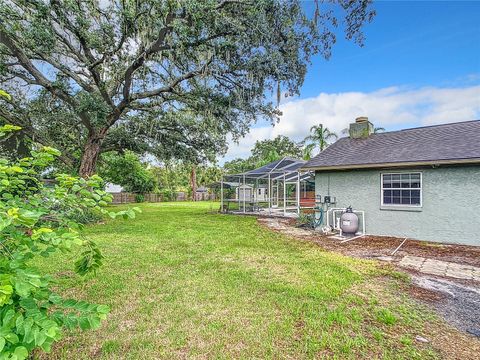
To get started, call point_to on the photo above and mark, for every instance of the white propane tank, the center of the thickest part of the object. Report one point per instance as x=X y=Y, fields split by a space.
x=349 y=222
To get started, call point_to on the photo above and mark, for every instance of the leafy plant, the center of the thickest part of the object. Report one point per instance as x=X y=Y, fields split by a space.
x=36 y=220
x=86 y=216
x=306 y=220
x=168 y=195
x=128 y=171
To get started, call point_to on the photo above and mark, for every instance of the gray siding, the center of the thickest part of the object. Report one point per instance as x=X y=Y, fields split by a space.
x=450 y=209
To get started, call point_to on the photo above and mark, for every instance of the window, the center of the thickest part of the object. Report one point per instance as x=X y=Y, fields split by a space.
x=403 y=189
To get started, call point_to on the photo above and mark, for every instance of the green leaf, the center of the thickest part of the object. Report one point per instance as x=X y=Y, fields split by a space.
x=21 y=352
x=19 y=322
x=4 y=94
x=84 y=323
x=103 y=309
x=28 y=336
x=4 y=223
x=94 y=322
x=40 y=337
x=22 y=288
x=16 y=169
x=55 y=299
x=12 y=338
x=51 y=151
x=7 y=196
x=69 y=303
x=2 y=343
x=9 y=315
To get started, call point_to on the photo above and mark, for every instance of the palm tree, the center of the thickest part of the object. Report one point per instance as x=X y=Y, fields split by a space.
x=319 y=138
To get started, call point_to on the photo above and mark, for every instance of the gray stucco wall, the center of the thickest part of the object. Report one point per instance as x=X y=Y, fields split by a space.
x=450 y=209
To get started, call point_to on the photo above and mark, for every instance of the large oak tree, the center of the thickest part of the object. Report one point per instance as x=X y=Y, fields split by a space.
x=172 y=76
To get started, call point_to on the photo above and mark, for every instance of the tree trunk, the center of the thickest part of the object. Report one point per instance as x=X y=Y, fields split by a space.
x=193 y=182
x=90 y=154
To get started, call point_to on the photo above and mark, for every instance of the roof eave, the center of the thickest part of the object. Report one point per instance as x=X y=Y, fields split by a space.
x=390 y=165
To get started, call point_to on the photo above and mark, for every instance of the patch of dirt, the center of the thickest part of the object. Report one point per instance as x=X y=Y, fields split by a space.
x=451 y=343
x=372 y=247
x=423 y=294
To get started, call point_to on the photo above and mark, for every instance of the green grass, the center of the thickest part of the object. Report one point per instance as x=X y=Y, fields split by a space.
x=183 y=282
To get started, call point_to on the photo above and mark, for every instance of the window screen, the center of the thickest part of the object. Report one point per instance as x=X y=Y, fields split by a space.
x=402 y=189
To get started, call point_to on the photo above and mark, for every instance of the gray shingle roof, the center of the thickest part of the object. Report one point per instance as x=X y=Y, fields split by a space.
x=448 y=143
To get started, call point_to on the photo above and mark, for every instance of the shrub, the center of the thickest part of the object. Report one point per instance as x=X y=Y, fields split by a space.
x=85 y=216
x=139 y=198
x=127 y=170
x=168 y=195
x=306 y=220
x=37 y=221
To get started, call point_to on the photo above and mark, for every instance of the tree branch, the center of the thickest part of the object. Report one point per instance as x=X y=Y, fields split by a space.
x=40 y=79
x=170 y=87
x=140 y=60
x=33 y=135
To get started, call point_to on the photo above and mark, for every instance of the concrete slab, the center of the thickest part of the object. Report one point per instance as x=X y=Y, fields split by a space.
x=441 y=268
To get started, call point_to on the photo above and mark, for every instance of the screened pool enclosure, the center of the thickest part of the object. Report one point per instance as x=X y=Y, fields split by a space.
x=279 y=188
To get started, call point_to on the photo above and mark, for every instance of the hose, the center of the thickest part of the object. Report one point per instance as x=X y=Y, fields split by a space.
x=317 y=222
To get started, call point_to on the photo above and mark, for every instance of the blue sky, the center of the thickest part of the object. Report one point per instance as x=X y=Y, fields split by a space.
x=420 y=65
x=424 y=43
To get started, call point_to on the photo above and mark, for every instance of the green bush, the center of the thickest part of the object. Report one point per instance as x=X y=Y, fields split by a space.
x=85 y=216
x=127 y=170
x=168 y=195
x=139 y=198
x=37 y=221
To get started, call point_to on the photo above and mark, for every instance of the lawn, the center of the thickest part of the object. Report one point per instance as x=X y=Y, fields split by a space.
x=185 y=282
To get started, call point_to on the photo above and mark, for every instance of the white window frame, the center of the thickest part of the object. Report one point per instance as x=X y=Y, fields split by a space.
x=401 y=205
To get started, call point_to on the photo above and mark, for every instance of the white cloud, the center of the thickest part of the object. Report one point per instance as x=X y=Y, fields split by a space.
x=391 y=108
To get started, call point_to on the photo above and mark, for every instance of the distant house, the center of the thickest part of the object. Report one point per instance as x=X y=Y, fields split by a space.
x=202 y=194
x=421 y=183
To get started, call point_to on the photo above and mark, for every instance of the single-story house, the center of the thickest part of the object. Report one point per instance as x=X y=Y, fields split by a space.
x=421 y=183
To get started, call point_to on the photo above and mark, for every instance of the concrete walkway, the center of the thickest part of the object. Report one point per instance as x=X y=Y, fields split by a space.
x=441 y=268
